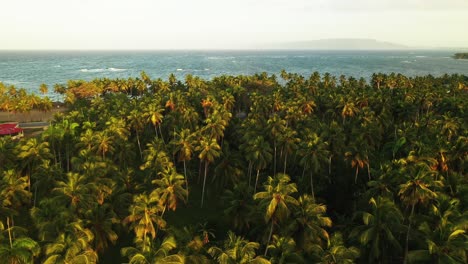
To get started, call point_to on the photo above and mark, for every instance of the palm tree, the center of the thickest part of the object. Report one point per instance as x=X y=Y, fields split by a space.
x=182 y=143
x=75 y=192
x=337 y=252
x=170 y=189
x=209 y=151
x=314 y=152
x=73 y=246
x=380 y=231
x=283 y=250
x=20 y=250
x=31 y=153
x=237 y=250
x=144 y=215
x=100 y=220
x=309 y=223
x=155 y=253
x=446 y=241
x=277 y=199
x=136 y=123
x=239 y=205
x=43 y=88
x=416 y=191
x=261 y=152
x=103 y=143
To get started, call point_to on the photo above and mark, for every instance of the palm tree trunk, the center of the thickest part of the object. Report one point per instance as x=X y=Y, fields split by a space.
x=249 y=171
x=160 y=132
x=186 y=180
x=35 y=194
x=269 y=237
x=407 y=235
x=139 y=145
x=312 y=184
x=204 y=182
x=9 y=232
x=285 y=160
x=368 y=170
x=256 y=181
x=274 y=156
x=357 y=171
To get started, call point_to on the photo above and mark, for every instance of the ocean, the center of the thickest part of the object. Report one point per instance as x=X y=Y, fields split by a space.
x=29 y=69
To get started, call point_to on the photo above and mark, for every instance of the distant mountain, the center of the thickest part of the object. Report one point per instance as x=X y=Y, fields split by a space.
x=342 y=44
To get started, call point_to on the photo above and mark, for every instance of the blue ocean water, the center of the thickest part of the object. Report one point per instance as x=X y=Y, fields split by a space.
x=28 y=69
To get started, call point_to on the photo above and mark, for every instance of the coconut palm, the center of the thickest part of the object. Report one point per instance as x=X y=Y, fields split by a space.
x=413 y=192
x=309 y=222
x=283 y=250
x=314 y=152
x=237 y=250
x=277 y=199
x=382 y=226
x=20 y=250
x=144 y=217
x=337 y=252
x=100 y=220
x=75 y=192
x=169 y=189
x=261 y=152
x=209 y=151
x=183 y=146
x=239 y=205
x=154 y=253
x=72 y=246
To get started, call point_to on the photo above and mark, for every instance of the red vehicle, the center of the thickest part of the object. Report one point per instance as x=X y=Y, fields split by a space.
x=11 y=129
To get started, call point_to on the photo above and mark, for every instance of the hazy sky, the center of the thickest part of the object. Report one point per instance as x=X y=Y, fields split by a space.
x=182 y=24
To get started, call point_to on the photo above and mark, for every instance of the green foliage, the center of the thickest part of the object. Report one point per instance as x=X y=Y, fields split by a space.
x=98 y=183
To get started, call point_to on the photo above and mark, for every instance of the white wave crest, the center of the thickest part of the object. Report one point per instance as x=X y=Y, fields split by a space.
x=179 y=69
x=92 y=70
x=116 y=69
x=102 y=70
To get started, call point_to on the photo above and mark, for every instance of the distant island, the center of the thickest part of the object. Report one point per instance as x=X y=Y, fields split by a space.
x=461 y=56
x=342 y=44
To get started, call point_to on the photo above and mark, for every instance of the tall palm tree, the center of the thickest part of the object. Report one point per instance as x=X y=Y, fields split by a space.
x=72 y=246
x=75 y=192
x=277 y=199
x=337 y=252
x=183 y=146
x=20 y=250
x=237 y=250
x=413 y=192
x=170 y=189
x=144 y=215
x=309 y=223
x=136 y=123
x=380 y=231
x=100 y=220
x=283 y=250
x=314 y=152
x=239 y=205
x=157 y=253
x=31 y=153
x=209 y=151
x=261 y=152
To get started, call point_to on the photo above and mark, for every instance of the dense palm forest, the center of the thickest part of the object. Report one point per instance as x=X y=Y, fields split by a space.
x=241 y=169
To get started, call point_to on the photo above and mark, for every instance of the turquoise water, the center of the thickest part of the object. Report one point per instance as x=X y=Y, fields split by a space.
x=30 y=69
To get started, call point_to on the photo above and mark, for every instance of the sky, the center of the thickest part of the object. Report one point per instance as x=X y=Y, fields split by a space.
x=226 y=24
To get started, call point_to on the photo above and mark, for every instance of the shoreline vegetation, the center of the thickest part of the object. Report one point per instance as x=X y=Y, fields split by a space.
x=460 y=56
x=238 y=169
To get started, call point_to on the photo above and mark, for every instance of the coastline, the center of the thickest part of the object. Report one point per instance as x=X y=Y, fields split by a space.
x=33 y=115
